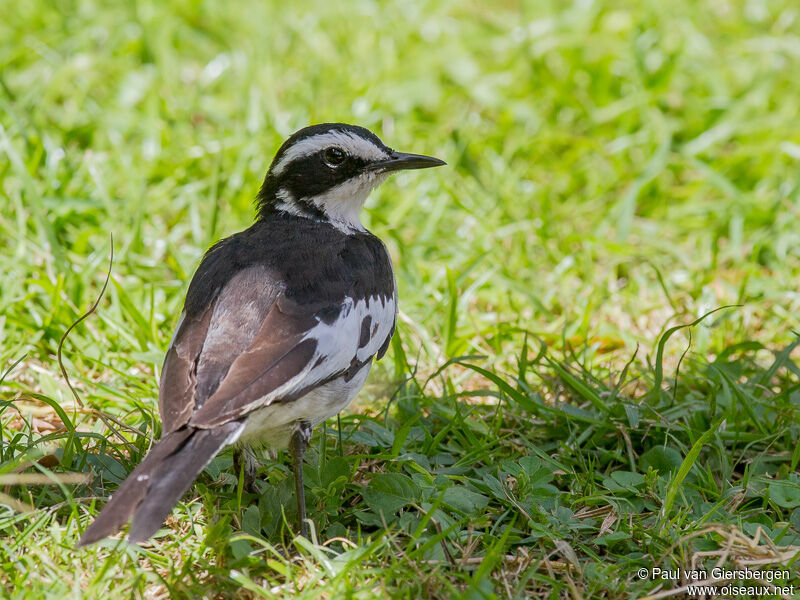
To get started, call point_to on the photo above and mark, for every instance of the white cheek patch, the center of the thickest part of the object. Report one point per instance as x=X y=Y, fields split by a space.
x=351 y=144
x=343 y=203
x=288 y=204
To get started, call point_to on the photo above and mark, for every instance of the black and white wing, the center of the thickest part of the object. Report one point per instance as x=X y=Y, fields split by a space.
x=271 y=333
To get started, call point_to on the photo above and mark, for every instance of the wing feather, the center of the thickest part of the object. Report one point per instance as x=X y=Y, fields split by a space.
x=279 y=354
x=265 y=332
x=176 y=391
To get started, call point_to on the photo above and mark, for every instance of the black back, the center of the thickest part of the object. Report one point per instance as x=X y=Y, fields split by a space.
x=315 y=264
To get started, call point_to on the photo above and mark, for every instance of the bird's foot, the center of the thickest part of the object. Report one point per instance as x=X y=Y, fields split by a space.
x=297 y=446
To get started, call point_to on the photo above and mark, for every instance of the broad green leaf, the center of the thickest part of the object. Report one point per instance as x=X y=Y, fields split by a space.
x=464 y=500
x=389 y=492
x=786 y=493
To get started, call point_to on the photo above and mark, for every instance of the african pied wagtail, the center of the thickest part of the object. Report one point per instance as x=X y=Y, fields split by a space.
x=280 y=324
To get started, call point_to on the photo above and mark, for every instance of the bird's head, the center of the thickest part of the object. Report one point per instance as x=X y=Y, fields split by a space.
x=327 y=171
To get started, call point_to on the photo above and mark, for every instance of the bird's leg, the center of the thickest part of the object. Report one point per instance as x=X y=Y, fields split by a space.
x=297 y=446
x=242 y=458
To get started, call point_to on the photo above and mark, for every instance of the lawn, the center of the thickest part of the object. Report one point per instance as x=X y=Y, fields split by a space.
x=595 y=373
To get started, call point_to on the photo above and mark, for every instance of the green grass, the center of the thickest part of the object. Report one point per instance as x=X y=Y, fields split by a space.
x=539 y=428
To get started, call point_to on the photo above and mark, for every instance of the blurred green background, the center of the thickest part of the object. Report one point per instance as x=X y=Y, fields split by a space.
x=615 y=168
x=591 y=146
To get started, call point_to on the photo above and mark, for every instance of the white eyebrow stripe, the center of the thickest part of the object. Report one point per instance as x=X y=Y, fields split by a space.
x=352 y=144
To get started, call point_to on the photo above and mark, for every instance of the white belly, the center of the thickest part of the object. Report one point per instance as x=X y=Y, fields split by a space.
x=273 y=425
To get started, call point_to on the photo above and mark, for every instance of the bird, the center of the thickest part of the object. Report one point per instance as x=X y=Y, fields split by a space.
x=279 y=328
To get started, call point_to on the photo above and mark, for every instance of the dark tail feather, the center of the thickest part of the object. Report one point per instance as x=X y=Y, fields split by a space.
x=155 y=486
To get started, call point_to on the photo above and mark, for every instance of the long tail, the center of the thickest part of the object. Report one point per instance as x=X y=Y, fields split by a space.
x=158 y=482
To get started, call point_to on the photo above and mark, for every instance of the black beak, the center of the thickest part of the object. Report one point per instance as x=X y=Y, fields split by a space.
x=401 y=161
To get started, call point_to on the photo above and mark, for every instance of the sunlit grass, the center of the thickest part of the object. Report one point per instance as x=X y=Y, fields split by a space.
x=615 y=170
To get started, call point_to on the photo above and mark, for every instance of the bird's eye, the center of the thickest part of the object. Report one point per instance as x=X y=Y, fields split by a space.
x=334 y=156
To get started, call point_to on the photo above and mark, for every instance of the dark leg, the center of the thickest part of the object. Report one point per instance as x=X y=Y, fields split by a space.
x=243 y=460
x=297 y=446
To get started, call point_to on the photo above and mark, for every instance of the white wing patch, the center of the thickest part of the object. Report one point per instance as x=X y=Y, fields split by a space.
x=351 y=144
x=337 y=346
